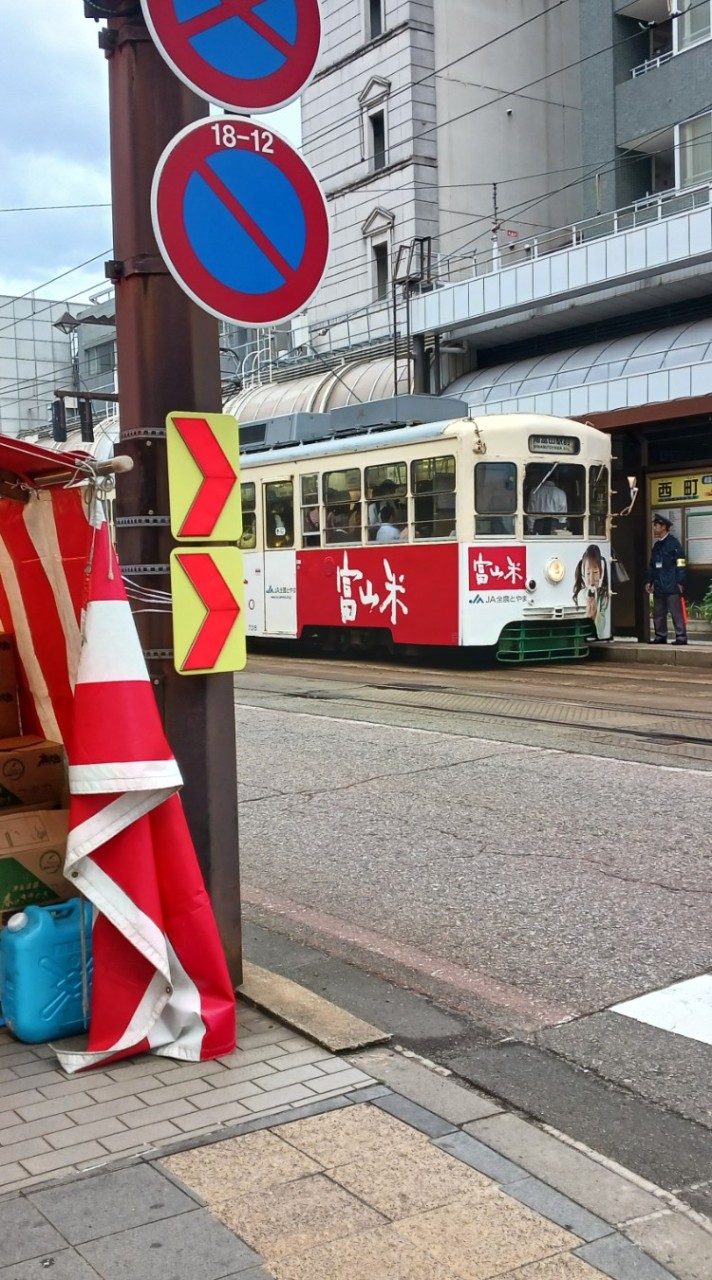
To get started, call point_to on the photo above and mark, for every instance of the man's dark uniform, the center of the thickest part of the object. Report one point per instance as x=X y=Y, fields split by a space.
x=666 y=575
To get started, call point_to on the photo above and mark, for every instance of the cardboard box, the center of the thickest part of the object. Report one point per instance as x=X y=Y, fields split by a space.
x=32 y=774
x=9 y=711
x=32 y=849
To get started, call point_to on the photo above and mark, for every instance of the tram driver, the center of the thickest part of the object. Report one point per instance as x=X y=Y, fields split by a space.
x=550 y=500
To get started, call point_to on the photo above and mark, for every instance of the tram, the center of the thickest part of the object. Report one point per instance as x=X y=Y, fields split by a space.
x=484 y=531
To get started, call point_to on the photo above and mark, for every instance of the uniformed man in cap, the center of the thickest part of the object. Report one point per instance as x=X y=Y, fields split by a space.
x=666 y=581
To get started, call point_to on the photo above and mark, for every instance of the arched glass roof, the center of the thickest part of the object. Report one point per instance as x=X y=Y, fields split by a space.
x=355 y=383
x=624 y=357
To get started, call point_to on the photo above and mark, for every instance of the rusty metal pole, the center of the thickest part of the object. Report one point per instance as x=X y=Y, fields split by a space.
x=168 y=360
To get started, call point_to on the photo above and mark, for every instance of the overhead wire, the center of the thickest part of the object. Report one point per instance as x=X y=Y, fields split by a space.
x=438 y=71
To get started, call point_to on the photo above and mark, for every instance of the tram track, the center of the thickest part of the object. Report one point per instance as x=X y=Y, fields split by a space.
x=680 y=731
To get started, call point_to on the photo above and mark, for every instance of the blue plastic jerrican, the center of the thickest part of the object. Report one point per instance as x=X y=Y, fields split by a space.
x=45 y=971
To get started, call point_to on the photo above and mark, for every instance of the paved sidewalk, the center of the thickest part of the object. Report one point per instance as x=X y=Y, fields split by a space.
x=286 y=1161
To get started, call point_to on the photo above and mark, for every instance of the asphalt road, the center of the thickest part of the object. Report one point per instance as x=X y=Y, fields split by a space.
x=491 y=860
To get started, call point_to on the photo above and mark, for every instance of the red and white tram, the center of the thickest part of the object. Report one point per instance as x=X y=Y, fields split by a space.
x=489 y=531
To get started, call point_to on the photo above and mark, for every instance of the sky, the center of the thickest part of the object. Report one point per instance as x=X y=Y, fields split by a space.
x=54 y=150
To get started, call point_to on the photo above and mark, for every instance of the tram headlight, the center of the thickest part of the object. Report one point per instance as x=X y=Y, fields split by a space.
x=555 y=570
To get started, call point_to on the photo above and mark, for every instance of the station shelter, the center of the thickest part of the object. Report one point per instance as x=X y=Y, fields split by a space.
x=160 y=981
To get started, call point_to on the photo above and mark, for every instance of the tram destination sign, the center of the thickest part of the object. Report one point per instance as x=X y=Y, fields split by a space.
x=554 y=444
x=241 y=221
x=245 y=55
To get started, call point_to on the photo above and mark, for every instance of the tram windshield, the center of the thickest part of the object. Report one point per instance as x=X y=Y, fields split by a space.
x=554 y=498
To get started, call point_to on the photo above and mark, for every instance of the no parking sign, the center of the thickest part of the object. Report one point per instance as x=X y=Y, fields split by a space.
x=246 y=55
x=241 y=220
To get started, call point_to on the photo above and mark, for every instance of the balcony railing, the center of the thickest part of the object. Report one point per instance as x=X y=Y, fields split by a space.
x=651 y=63
x=370 y=326
x=454 y=268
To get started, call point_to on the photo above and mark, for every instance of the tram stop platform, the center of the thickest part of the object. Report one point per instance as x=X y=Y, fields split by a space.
x=291 y=1161
x=697 y=653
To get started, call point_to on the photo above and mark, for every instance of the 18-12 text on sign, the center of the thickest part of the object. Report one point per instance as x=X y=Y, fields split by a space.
x=245 y=55
x=241 y=221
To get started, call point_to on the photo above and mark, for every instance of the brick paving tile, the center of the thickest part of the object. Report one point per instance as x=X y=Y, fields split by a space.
x=272 y=1037
x=164 y=1111
x=22 y=1150
x=234 y=1093
x=302 y=1059
x=8 y=1120
x=69 y=1084
x=341 y=1080
x=121 y=1088
x=309 y=1074
x=36 y=1110
x=146 y=1066
x=37 y=1129
x=18 y=1080
x=186 y=1071
x=278 y=1097
x=65 y=1159
x=168 y=1093
x=295 y=1044
x=22 y=1097
x=243 y=1057
x=106 y=1110
x=99 y=1130
x=9 y=1173
x=137 y=1139
x=236 y=1075
x=209 y=1121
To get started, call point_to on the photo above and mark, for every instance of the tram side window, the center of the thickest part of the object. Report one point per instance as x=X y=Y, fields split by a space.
x=554 y=499
x=279 y=514
x=433 y=487
x=249 y=518
x=311 y=518
x=386 y=491
x=495 y=498
x=598 y=502
x=342 y=505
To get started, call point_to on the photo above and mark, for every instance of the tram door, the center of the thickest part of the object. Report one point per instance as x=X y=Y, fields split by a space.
x=280 y=571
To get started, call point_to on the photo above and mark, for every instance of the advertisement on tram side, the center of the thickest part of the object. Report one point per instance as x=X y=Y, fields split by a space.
x=501 y=584
x=411 y=591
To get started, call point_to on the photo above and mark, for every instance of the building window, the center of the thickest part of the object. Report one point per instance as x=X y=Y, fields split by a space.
x=377 y=124
x=374 y=18
x=694 y=22
x=695 y=150
x=381 y=273
x=101 y=359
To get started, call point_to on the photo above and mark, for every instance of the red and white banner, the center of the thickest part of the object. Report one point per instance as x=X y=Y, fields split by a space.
x=160 y=980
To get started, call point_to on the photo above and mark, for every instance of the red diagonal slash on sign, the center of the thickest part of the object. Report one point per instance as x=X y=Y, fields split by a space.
x=222 y=610
x=217 y=484
x=236 y=9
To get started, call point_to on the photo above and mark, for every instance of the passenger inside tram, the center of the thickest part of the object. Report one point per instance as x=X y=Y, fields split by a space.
x=311 y=530
x=338 y=506
x=379 y=499
x=554 y=498
x=388 y=529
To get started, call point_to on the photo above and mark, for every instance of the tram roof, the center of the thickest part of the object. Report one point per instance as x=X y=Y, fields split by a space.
x=509 y=427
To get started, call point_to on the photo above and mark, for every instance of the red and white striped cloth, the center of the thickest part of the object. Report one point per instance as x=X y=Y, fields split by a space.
x=160 y=980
